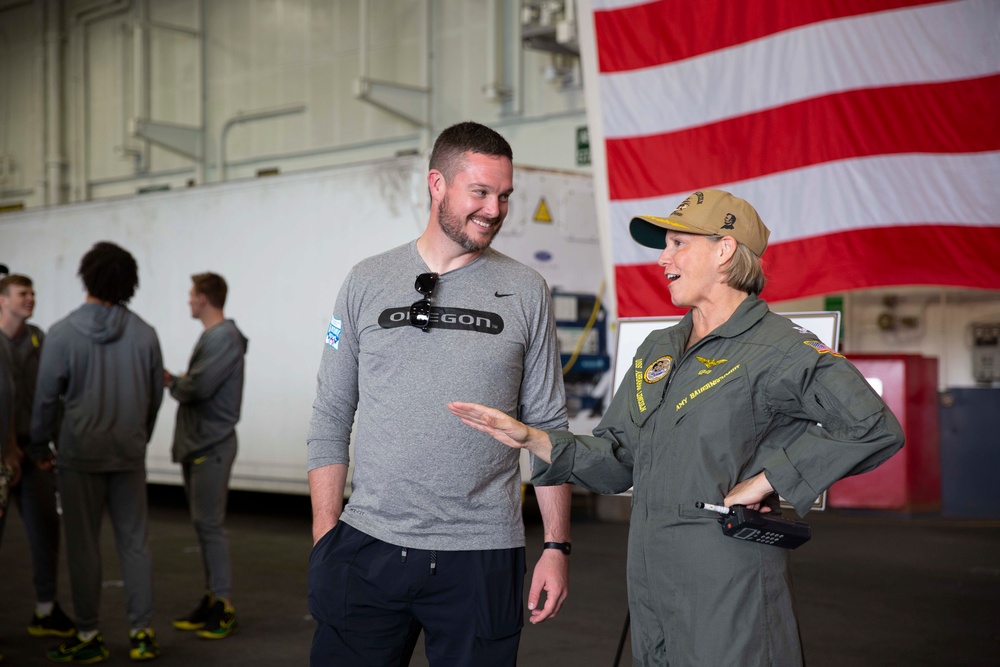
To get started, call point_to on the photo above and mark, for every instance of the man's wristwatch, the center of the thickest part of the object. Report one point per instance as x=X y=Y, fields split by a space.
x=564 y=547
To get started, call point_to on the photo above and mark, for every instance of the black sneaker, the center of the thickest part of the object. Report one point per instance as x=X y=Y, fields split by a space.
x=144 y=646
x=221 y=621
x=56 y=624
x=196 y=619
x=80 y=652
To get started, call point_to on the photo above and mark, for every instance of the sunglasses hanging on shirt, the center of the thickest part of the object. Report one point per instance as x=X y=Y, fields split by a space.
x=420 y=311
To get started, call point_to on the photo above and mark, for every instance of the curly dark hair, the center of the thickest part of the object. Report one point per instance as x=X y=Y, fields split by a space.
x=467 y=137
x=109 y=273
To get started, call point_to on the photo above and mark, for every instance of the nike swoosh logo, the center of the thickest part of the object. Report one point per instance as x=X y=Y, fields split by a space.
x=498 y=294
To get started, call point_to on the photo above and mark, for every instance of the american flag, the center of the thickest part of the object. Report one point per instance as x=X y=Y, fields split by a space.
x=866 y=133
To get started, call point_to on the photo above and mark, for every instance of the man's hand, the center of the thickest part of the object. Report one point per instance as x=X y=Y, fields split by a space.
x=13 y=461
x=750 y=492
x=46 y=464
x=167 y=378
x=551 y=574
x=503 y=428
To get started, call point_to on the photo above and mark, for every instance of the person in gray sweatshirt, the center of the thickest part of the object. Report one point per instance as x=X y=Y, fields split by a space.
x=101 y=367
x=210 y=395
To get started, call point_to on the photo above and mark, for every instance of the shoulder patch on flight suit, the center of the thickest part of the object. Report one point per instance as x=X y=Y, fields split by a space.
x=657 y=370
x=821 y=348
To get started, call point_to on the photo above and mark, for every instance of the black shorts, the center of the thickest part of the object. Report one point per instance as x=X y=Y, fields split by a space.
x=368 y=596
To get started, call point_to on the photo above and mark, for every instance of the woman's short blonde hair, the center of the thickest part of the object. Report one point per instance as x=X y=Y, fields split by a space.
x=745 y=272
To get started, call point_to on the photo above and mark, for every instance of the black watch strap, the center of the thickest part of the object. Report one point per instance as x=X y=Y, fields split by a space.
x=564 y=547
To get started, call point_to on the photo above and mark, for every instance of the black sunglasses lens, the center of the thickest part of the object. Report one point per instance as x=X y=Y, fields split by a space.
x=426 y=282
x=420 y=314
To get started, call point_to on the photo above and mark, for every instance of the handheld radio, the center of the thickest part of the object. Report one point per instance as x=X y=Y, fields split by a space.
x=744 y=523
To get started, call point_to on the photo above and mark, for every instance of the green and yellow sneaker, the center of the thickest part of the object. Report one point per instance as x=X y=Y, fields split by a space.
x=221 y=621
x=144 y=646
x=196 y=619
x=56 y=624
x=80 y=652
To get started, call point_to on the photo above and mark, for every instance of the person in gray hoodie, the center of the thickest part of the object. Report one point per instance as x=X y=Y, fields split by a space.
x=210 y=395
x=102 y=368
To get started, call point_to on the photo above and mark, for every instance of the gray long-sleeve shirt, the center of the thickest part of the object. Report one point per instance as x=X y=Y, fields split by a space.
x=104 y=365
x=210 y=394
x=422 y=478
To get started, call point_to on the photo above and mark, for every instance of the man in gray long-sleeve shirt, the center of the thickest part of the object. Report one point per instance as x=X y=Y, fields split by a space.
x=102 y=366
x=433 y=535
x=210 y=395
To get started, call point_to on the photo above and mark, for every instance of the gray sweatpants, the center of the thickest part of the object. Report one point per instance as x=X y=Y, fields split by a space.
x=206 y=483
x=35 y=497
x=85 y=495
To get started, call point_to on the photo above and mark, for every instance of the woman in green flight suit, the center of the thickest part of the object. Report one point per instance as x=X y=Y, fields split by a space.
x=734 y=405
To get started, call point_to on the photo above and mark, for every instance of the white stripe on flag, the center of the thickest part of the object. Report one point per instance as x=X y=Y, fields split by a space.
x=930 y=43
x=882 y=191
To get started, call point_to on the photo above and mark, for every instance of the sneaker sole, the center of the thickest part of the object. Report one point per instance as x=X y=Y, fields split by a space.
x=187 y=625
x=44 y=632
x=217 y=635
x=87 y=661
x=136 y=657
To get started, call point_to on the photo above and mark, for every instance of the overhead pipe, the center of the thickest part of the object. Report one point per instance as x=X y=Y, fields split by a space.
x=140 y=81
x=494 y=89
x=201 y=175
x=245 y=117
x=380 y=93
x=55 y=160
x=81 y=20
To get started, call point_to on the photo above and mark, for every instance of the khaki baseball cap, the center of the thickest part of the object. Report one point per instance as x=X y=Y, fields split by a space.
x=709 y=213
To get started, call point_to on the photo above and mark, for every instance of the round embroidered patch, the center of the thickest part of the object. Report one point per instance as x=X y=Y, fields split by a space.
x=657 y=370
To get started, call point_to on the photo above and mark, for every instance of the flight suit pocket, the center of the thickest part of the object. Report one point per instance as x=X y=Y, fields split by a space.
x=692 y=511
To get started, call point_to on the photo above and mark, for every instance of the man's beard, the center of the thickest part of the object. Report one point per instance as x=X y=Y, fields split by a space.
x=454 y=228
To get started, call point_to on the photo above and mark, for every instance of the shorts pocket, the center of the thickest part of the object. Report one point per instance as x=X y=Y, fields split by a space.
x=329 y=567
x=500 y=609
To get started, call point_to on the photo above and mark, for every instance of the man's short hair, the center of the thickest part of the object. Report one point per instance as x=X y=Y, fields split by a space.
x=467 y=137
x=14 y=279
x=109 y=273
x=213 y=286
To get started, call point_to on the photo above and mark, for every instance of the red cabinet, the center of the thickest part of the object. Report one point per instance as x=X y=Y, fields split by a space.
x=910 y=480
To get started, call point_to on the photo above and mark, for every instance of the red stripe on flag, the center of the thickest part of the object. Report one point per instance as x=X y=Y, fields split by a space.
x=950 y=117
x=662 y=32
x=961 y=256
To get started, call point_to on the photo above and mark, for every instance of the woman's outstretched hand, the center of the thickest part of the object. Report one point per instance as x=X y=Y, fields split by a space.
x=503 y=428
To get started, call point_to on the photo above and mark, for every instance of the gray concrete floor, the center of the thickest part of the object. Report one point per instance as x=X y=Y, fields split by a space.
x=872 y=589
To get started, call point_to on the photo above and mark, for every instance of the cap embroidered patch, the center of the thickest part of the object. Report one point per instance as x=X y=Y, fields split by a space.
x=657 y=370
x=821 y=348
x=333 y=333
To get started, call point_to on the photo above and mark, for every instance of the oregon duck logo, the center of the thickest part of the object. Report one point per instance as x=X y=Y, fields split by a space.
x=657 y=370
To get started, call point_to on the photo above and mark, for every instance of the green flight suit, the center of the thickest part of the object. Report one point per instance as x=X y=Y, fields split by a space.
x=687 y=426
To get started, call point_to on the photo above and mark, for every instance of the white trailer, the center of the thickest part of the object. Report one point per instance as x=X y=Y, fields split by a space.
x=284 y=244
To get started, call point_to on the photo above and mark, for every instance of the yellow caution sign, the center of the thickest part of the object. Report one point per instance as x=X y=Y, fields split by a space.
x=542 y=212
